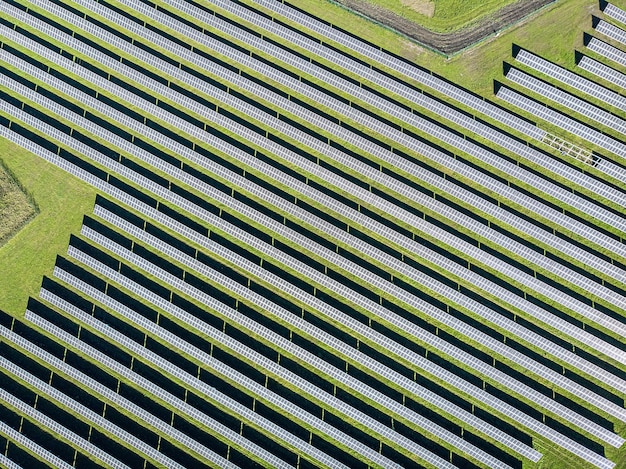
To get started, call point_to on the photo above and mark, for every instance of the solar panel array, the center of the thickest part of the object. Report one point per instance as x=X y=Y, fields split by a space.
x=565 y=99
x=603 y=71
x=607 y=51
x=611 y=31
x=614 y=12
x=564 y=122
x=252 y=292
x=572 y=80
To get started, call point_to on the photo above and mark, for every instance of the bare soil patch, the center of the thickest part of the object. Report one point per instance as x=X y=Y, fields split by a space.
x=423 y=7
x=447 y=43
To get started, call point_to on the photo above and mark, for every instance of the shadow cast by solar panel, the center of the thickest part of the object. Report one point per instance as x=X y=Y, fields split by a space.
x=354 y=285
x=77 y=393
x=264 y=320
x=132 y=426
x=294 y=397
x=83 y=461
x=27 y=364
x=225 y=356
x=310 y=376
x=226 y=388
x=207 y=439
x=65 y=418
x=23 y=458
x=404 y=458
x=151 y=374
x=268 y=443
x=331 y=450
x=124 y=455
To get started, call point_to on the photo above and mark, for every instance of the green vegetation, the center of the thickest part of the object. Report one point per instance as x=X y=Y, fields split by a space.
x=62 y=200
x=443 y=15
x=16 y=207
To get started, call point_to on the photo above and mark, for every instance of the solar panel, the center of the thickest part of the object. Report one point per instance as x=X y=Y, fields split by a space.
x=599 y=69
x=540 y=158
x=457 y=169
x=571 y=79
x=561 y=120
x=536 y=425
x=319 y=279
x=329 y=176
x=59 y=430
x=245 y=382
x=8 y=463
x=206 y=189
x=565 y=99
x=607 y=51
x=611 y=31
x=87 y=414
x=614 y=12
x=19 y=440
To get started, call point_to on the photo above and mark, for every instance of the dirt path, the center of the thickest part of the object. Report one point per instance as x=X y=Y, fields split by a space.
x=448 y=43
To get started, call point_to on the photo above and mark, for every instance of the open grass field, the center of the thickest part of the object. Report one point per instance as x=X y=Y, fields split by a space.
x=62 y=201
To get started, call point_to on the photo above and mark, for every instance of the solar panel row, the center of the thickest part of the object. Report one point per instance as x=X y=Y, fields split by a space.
x=205 y=189
x=246 y=383
x=614 y=12
x=155 y=271
x=571 y=79
x=87 y=414
x=439 y=108
x=7 y=399
x=337 y=234
x=368 y=305
x=565 y=99
x=611 y=31
x=607 y=73
x=607 y=51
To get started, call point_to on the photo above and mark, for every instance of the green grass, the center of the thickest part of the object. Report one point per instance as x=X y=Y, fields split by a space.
x=30 y=254
x=443 y=15
x=16 y=207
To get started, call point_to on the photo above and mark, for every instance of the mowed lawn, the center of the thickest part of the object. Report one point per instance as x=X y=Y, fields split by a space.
x=62 y=201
